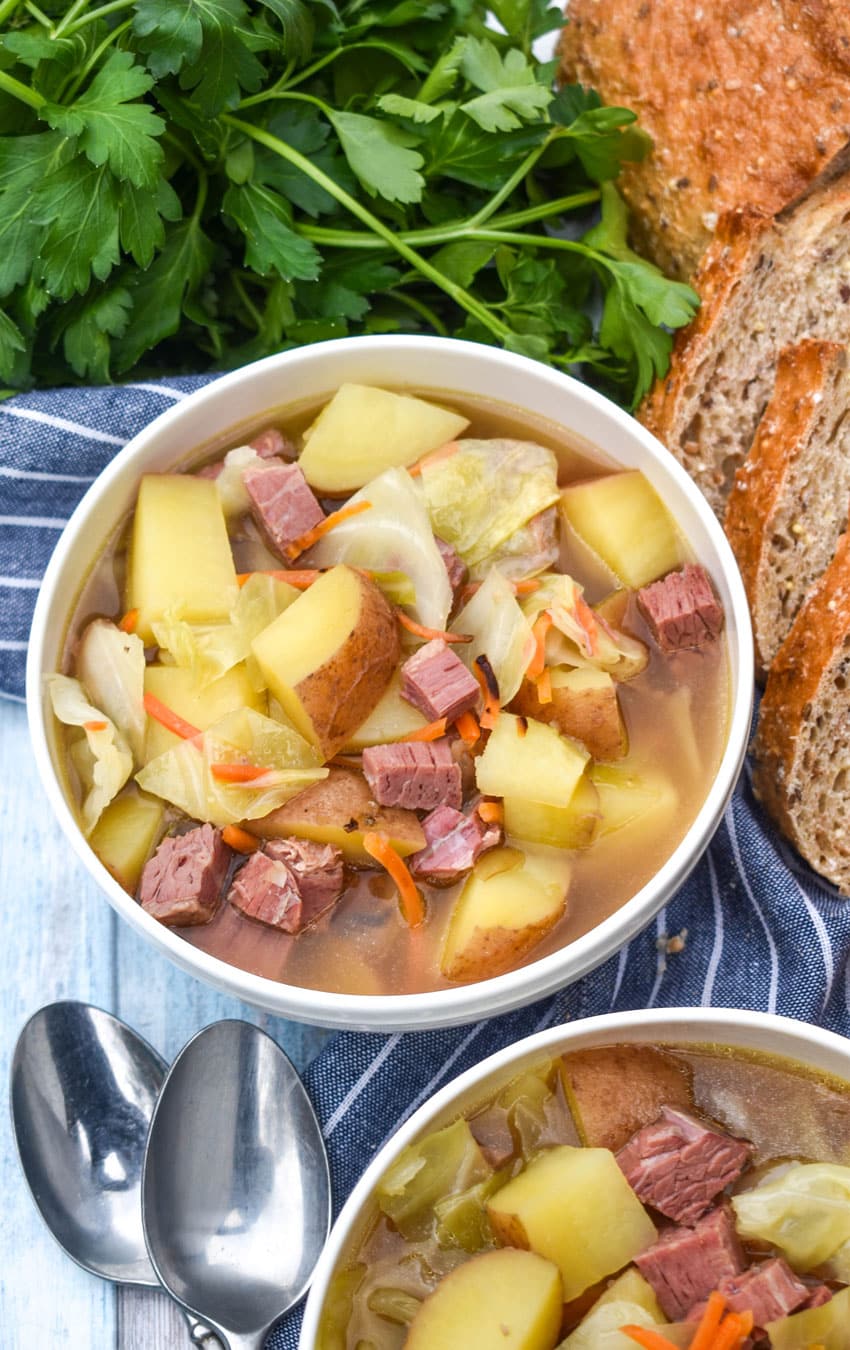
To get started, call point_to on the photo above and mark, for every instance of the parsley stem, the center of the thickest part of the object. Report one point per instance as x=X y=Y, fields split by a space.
x=95 y=14
x=88 y=66
x=513 y=182
x=7 y=9
x=363 y=214
x=418 y=307
x=38 y=15
x=69 y=16
x=250 y=308
x=21 y=91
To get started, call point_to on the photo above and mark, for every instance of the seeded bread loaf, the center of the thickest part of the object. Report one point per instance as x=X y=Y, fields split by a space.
x=745 y=100
x=765 y=282
x=789 y=502
x=802 y=745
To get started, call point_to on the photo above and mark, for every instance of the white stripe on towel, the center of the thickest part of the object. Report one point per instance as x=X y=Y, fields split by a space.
x=164 y=389
x=354 y=1092
x=21 y=583
x=62 y=424
x=37 y=522
x=429 y=1087
x=42 y=476
x=717 y=947
x=12 y=645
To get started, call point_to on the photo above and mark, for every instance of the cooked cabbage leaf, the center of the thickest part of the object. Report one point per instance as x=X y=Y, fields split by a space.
x=600 y=1329
x=826 y=1326
x=805 y=1212
x=394 y=536
x=500 y=631
x=183 y=775
x=111 y=762
x=580 y=636
x=111 y=667
x=479 y=497
x=528 y=551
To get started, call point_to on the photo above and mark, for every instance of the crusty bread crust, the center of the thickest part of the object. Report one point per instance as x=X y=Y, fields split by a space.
x=782 y=519
x=802 y=746
x=745 y=101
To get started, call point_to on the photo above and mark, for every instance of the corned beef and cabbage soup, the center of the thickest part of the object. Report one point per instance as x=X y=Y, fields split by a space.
x=691 y=1197
x=395 y=695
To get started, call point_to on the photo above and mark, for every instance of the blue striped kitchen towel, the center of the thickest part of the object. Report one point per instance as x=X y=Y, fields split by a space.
x=762 y=932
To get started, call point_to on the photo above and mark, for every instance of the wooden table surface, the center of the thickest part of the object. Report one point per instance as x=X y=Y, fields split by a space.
x=60 y=939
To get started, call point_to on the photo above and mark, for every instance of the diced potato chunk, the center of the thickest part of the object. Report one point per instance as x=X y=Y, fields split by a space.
x=628 y=794
x=503 y=1300
x=390 y=720
x=600 y=1329
x=633 y=1288
x=584 y=705
x=339 y=811
x=501 y=914
x=571 y=826
x=202 y=706
x=444 y=1163
x=606 y=1116
x=126 y=833
x=622 y=518
x=575 y=1207
x=328 y=658
x=364 y=430
x=538 y=765
x=180 y=556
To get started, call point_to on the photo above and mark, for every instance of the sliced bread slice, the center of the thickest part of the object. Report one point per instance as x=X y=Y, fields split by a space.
x=789 y=502
x=765 y=282
x=802 y=745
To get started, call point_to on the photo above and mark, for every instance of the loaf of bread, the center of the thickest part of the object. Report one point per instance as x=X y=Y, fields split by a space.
x=802 y=745
x=745 y=100
x=765 y=282
x=789 y=502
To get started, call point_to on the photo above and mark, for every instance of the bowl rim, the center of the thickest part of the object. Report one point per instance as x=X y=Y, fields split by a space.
x=460 y=1003
x=666 y=1026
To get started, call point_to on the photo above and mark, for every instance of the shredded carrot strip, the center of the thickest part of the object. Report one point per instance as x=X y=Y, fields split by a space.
x=544 y=685
x=445 y=452
x=300 y=580
x=95 y=726
x=522 y=727
x=484 y=674
x=540 y=628
x=731 y=1332
x=240 y=840
x=587 y=619
x=129 y=621
x=380 y=848
x=311 y=537
x=421 y=631
x=237 y=773
x=432 y=731
x=467 y=725
x=650 y=1340
x=709 y=1322
x=526 y=587
x=156 y=709
x=492 y=813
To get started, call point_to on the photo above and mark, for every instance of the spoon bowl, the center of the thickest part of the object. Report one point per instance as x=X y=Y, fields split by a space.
x=236 y=1190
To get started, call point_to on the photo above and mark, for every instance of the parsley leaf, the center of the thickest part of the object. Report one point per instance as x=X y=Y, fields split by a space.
x=87 y=332
x=12 y=344
x=141 y=224
x=79 y=205
x=159 y=293
x=207 y=42
x=512 y=94
x=270 y=242
x=379 y=154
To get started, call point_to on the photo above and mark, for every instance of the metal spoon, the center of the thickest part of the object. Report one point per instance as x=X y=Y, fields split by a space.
x=83 y=1091
x=235 y=1192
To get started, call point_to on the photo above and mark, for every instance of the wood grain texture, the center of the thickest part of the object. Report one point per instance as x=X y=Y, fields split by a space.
x=59 y=939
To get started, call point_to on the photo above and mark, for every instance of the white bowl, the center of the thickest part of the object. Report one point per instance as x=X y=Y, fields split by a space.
x=447 y=366
x=751 y=1031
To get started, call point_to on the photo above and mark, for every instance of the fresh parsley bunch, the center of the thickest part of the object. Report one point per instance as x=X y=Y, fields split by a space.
x=187 y=184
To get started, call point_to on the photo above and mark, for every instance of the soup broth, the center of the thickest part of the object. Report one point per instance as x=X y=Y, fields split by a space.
x=674 y=713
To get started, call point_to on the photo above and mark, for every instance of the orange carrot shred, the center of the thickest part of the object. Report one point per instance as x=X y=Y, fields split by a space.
x=467 y=725
x=540 y=628
x=379 y=847
x=522 y=727
x=709 y=1322
x=237 y=773
x=95 y=726
x=324 y=527
x=485 y=675
x=156 y=709
x=544 y=686
x=650 y=1340
x=730 y=1333
x=240 y=839
x=129 y=621
x=432 y=731
x=527 y=587
x=587 y=619
x=445 y=452
x=492 y=813
x=300 y=580
x=420 y=630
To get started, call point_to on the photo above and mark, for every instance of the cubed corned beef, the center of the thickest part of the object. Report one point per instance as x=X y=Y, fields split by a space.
x=418 y=775
x=678 y=1165
x=455 y=842
x=818 y=1295
x=271 y=442
x=181 y=884
x=681 y=609
x=454 y=564
x=282 y=504
x=435 y=680
x=265 y=889
x=317 y=869
x=685 y=1264
x=769 y=1291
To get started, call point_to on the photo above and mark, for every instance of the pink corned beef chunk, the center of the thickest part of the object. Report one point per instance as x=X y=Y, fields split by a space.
x=769 y=1291
x=317 y=869
x=455 y=842
x=435 y=680
x=181 y=884
x=454 y=564
x=679 y=1165
x=685 y=1264
x=282 y=504
x=681 y=609
x=418 y=775
x=289 y=883
x=271 y=442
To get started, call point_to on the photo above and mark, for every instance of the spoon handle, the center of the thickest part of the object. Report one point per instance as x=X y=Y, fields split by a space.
x=199 y=1334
